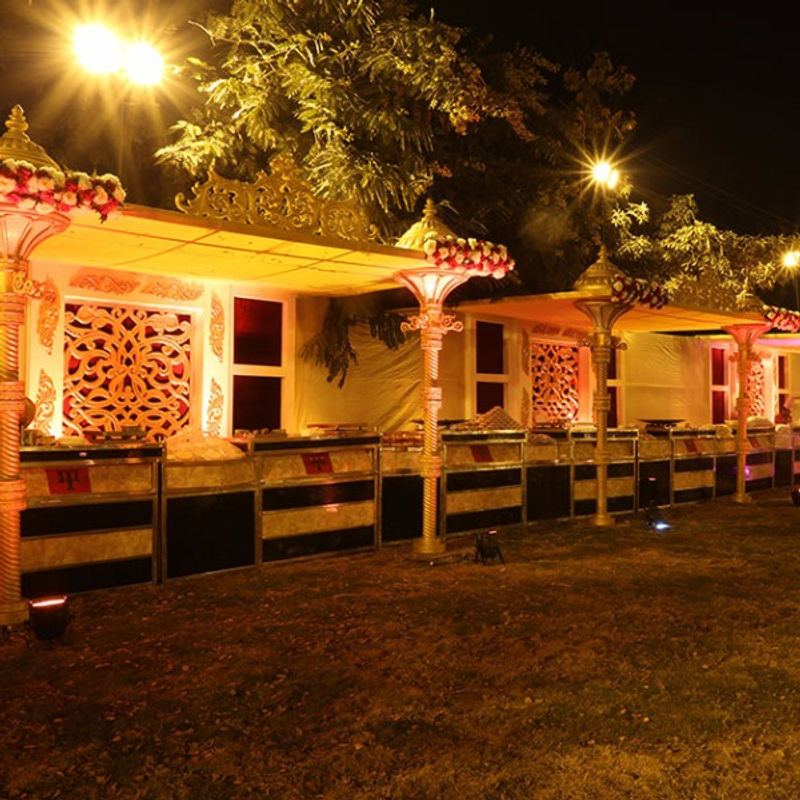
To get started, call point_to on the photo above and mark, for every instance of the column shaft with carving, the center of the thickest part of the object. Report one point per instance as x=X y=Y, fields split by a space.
x=603 y=314
x=745 y=337
x=433 y=323
x=12 y=488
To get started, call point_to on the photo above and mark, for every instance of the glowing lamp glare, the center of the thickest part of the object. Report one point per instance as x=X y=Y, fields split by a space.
x=97 y=49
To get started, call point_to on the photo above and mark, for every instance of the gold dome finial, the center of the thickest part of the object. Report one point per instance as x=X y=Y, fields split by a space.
x=599 y=277
x=429 y=227
x=15 y=142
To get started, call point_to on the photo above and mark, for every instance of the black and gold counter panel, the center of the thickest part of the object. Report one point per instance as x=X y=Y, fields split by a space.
x=621 y=473
x=693 y=474
x=401 y=494
x=210 y=516
x=92 y=518
x=482 y=480
x=317 y=496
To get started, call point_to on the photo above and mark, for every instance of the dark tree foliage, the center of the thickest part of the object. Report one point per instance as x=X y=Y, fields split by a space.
x=383 y=105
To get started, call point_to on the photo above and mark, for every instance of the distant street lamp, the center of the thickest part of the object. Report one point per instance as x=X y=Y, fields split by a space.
x=791 y=261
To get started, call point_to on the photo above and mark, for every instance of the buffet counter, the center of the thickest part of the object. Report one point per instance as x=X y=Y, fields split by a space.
x=210 y=515
x=92 y=519
x=317 y=494
x=482 y=484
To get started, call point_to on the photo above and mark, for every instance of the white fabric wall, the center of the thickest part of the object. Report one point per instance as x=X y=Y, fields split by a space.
x=665 y=377
x=383 y=388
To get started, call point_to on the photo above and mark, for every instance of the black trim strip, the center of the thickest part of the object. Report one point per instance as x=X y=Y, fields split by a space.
x=758 y=484
x=314 y=444
x=88 y=454
x=473 y=520
x=588 y=472
x=760 y=458
x=622 y=503
x=693 y=464
x=51 y=520
x=87 y=577
x=312 y=543
x=316 y=495
x=489 y=437
x=483 y=479
x=690 y=495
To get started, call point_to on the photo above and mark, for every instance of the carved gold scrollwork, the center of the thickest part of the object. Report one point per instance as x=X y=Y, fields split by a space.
x=45 y=404
x=756 y=387
x=49 y=309
x=105 y=282
x=22 y=284
x=216 y=328
x=214 y=412
x=554 y=382
x=173 y=289
x=126 y=366
x=281 y=200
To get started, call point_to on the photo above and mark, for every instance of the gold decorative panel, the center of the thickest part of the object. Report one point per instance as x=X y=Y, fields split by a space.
x=216 y=330
x=554 y=382
x=45 y=404
x=126 y=366
x=173 y=289
x=281 y=200
x=756 y=388
x=49 y=308
x=104 y=282
x=214 y=413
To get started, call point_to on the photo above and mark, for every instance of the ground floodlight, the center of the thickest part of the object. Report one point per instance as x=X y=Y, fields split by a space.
x=48 y=616
x=653 y=518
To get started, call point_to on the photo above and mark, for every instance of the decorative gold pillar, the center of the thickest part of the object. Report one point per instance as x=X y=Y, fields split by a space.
x=431 y=285
x=21 y=230
x=745 y=337
x=603 y=313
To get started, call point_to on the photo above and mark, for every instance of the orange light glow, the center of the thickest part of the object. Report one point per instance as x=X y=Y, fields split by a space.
x=48 y=602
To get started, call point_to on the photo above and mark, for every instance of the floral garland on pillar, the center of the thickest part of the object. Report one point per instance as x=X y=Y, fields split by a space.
x=782 y=319
x=472 y=256
x=625 y=289
x=46 y=189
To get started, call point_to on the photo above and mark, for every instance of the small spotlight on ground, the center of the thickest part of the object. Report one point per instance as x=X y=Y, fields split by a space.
x=653 y=518
x=48 y=617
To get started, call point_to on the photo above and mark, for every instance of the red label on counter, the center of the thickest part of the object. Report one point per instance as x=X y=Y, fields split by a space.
x=69 y=480
x=317 y=463
x=691 y=446
x=481 y=453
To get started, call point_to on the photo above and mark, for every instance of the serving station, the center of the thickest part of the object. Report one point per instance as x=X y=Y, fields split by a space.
x=92 y=519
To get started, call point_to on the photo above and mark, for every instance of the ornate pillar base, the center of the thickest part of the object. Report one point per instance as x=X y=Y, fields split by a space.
x=427 y=547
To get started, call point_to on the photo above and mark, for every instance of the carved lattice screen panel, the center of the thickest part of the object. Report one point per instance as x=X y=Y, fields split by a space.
x=757 y=388
x=126 y=366
x=554 y=382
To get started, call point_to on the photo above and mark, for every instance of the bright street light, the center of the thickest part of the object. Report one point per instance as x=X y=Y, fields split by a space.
x=791 y=261
x=143 y=64
x=603 y=173
x=100 y=51
x=97 y=49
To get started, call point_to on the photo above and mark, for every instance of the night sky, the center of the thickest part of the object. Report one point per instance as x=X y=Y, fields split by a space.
x=715 y=98
x=715 y=95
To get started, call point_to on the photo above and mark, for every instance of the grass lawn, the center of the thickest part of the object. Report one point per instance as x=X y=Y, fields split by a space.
x=595 y=664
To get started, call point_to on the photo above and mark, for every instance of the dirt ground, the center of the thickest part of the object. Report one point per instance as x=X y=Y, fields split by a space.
x=595 y=664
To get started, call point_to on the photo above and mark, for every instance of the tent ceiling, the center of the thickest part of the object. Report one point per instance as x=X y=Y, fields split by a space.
x=155 y=241
x=557 y=311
